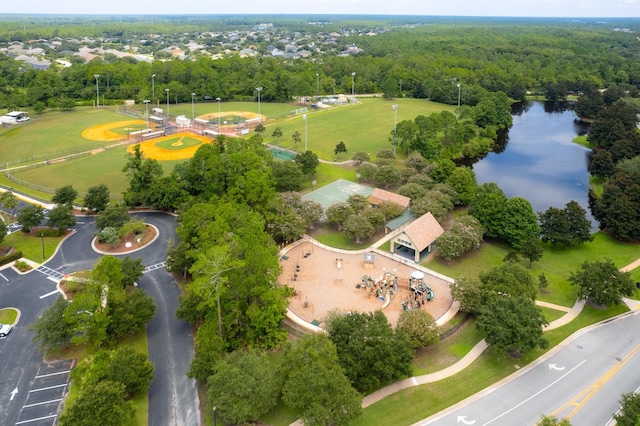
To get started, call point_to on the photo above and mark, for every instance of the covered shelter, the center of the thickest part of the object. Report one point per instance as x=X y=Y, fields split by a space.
x=380 y=195
x=418 y=238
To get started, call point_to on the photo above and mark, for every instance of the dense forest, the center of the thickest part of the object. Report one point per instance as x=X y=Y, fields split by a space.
x=549 y=57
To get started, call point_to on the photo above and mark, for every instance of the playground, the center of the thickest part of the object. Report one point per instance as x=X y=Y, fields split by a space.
x=325 y=280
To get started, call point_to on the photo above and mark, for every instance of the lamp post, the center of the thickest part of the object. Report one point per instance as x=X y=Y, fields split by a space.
x=97 y=76
x=218 y=99
x=168 y=115
x=215 y=416
x=259 y=89
x=146 y=110
x=395 y=120
x=353 y=97
x=304 y=117
x=317 y=85
x=193 y=111
x=153 y=87
x=458 y=112
x=42 y=239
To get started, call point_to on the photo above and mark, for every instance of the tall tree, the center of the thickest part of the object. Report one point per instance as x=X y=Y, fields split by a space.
x=370 y=352
x=601 y=283
x=30 y=216
x=512 y=325
x=97 y=198
x=618 y=209
x=565 y=227
x=315 y=383
x=65 y=195
x=61 y=217
x=245 y=386
x=518 y=221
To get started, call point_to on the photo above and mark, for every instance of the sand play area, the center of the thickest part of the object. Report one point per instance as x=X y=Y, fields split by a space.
x=326 y=280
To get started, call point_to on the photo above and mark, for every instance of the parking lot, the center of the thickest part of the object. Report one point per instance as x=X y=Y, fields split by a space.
x=48 y=389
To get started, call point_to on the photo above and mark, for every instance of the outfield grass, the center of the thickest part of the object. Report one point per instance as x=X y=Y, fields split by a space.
x=364 y=127
x=8 y=315
x=54 y=133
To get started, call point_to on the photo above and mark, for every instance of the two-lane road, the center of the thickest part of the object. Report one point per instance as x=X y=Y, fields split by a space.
x=582 y=381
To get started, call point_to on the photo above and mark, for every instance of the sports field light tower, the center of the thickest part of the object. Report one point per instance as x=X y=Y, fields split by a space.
x=395 y=120
x=153 y=87
x=168 y=115
x=259 y=89
x=218 y=99
x=97 y=76
x=353 y=97
x=306 y=133
x=193 y=111
x=317 y=85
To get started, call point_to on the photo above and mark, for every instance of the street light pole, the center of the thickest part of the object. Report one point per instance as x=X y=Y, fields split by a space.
x=193 y=111
x=259 y=89
x=168 y=115
x=218 y=99
x=215 y=416
x=304 y=117
x=458 y=112
x=353 y=97
x=395 y=120
x=153 y=87
x=317 y=85
x=42 y=238
x=97 y=76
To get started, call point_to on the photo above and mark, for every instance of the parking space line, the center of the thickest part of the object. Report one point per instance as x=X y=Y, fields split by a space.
x=36 y=420
x=5 y=278
x=53 y=374
x=42 y=403
x=47 y=388
x=50 y=293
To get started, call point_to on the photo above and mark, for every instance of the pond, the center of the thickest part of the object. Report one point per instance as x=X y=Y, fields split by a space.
x=539 y=161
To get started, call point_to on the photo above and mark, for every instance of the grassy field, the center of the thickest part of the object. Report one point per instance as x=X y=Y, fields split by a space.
x=364 y=127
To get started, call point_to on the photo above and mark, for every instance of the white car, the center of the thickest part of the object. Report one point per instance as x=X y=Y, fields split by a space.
x=21 y=119
x=4 y=330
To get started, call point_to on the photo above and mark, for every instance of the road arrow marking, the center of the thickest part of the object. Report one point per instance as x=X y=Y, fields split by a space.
x=13 y=394
x=463 y=419
x=555 y=367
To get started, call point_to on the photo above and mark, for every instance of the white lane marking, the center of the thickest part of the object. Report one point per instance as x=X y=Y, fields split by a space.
x=53 y=374
x=5 y=278
x=48 y=294
x=42 y=403
x=37 y=419
x=47 y=388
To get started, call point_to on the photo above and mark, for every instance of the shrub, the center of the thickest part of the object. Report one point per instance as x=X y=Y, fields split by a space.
x=10 y=257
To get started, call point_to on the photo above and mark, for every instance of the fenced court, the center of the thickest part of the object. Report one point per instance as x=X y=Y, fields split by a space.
x=282 y=154
x=337 y=192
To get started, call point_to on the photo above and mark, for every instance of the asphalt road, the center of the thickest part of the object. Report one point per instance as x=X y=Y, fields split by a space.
x=582 y=381
x=173 y=398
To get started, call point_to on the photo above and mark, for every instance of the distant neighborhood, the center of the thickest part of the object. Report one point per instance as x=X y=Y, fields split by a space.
x=264 y=40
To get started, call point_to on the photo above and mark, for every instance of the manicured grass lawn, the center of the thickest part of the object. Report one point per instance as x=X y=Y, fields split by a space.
x=447 y=352
x=54 y=133
x=551 y=314
x=556 y=263
x=85 y=172
x=8 y=315
x=364 y=127
x=31 y=245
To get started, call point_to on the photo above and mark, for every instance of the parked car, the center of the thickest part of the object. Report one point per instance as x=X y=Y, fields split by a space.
x=21 y=119
x=4 y=330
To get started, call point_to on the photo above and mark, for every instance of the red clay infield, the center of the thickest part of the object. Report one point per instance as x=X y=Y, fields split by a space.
x=325 y=287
